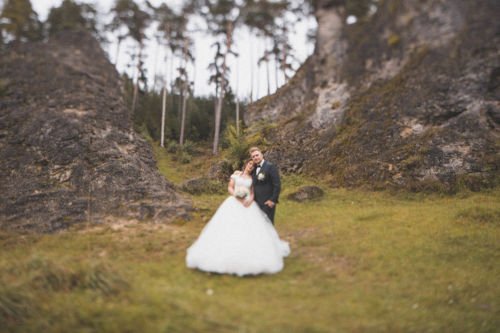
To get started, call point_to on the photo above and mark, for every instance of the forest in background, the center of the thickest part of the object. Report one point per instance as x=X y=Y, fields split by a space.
x=167 y=110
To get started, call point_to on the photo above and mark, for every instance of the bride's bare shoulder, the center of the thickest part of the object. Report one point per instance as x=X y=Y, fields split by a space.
x=237 y=173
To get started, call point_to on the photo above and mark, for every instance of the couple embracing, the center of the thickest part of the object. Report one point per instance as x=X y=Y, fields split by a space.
x=240 y=238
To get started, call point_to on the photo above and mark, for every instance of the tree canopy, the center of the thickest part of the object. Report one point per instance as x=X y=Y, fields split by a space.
x=72 y=16
x=19 y=21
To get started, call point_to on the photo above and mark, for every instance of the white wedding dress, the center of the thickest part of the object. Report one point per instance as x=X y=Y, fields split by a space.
x=238 y=240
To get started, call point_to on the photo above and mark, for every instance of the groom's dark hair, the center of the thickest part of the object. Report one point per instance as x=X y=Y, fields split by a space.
x=251 y=150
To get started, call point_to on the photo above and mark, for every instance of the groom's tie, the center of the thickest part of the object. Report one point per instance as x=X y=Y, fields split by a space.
x=258 y=168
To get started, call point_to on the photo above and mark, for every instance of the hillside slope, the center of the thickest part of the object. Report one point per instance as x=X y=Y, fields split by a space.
x=406 y=98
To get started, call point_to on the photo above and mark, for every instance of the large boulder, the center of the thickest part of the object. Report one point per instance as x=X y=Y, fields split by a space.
x=68 y=152
x=203 y=185
x=307 y=193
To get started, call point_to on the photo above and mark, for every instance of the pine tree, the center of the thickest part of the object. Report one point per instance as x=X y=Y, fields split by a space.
x=140 y=21
x=222 y=18
x=187 y=57
x=72 y=16
x=282 y=50
x=266 y=58
x=129 y=16
x=122 y=21
x=164 y=17
x=19 y=21
x=262 y=17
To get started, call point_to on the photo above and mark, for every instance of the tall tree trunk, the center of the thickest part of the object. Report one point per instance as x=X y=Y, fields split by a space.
x=164 y=105
x=283 y=63
x=218 y=111
x=237 y=116
x=136 y=86
x=179 y=103
x=257 y=84
x=268 y=78
x=184 y=92
x=251 y=71
x=218 y=108
x=183 y=117
x=237 y=99
x=118 y=49
x=268 y=71
x=172 y=91
x=163 y=115
x=276 y=72
x=194 y=77
x=155 y=65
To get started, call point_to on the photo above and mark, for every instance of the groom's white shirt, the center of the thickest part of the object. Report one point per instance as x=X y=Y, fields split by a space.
x=259 y=166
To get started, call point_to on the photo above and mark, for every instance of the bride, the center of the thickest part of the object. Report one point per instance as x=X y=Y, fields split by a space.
x=239 y=239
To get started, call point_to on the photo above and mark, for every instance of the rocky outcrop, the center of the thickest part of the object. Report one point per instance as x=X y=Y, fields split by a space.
x=408 y=97
x=68 y=153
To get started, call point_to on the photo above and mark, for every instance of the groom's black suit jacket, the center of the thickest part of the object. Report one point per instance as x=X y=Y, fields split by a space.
x=267 y=188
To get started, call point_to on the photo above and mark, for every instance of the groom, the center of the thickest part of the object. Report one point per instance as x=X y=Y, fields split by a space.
x=266 y=183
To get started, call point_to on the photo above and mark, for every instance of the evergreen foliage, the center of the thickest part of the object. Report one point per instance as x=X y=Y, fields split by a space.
x=129 y=16
x=19 y=21
x=199 y=120
x=72 y=16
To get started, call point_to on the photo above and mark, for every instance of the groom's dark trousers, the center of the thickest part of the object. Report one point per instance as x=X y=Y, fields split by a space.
x=267 y=186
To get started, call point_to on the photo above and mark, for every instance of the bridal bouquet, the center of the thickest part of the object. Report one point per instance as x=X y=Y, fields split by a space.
x=241 y=192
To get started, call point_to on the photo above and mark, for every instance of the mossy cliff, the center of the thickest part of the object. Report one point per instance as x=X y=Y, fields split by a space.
x=405 y=98
x=68 y=153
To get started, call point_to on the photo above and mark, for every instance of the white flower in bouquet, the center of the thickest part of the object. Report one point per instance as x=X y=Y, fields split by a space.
x=241 y=192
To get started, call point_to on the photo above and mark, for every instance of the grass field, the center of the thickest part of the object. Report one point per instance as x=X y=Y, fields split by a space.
x=360 y=262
